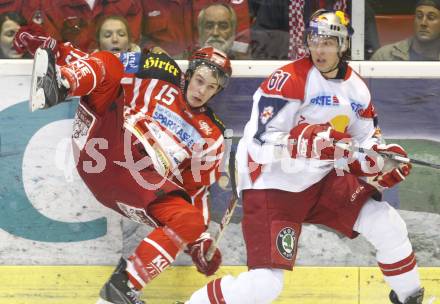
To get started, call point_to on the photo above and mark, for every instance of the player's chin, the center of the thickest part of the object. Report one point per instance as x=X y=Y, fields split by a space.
x=195 y=102
x=322 y=66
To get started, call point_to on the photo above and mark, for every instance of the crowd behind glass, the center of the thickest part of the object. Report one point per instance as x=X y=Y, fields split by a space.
x=245 y=29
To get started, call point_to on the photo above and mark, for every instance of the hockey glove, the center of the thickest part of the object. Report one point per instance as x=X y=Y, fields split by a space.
x=391 y=172
x=30 y=37
x=381 y=171
x=315 y=141
x=198 y=250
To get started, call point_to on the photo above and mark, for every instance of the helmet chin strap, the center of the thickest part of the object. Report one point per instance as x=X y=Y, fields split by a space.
x=335 y=67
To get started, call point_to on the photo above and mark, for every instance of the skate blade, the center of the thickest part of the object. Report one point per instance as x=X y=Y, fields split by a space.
x=37 y=98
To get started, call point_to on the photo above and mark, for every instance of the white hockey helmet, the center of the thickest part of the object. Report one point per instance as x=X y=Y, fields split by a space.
x=332 y=24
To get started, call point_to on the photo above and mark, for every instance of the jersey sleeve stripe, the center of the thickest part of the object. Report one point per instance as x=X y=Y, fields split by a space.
x=147 y=95
x=137 y=84
x=280 y=97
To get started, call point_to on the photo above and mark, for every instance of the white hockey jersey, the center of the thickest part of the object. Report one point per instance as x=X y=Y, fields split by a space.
x=298 y=93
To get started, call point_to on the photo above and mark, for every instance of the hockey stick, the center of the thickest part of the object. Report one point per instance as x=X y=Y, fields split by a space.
x=395 y=157
x=229 y=212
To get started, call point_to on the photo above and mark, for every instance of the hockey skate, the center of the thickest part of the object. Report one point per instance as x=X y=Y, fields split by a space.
x=416 y=298
x=47 y=86
x=116 y=289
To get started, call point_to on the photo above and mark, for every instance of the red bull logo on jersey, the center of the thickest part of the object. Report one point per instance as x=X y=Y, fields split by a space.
x=266 y=114
x=325 y=100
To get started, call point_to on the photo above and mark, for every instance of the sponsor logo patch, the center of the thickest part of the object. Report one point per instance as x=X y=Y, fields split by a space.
x=204 y=126
x=130 y=60
x=82 y=125
x=325 y=101
x=357 y=108
x=137 y=215
x=187 y=134
x=356 y=193
x=156 y=62
x=285 y=242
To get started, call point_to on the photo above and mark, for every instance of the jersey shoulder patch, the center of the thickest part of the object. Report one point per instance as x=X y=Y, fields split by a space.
x=288 y=81
x=160 y=66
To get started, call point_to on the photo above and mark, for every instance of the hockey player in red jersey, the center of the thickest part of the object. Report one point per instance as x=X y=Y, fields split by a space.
x=145 y=143
x=290 y=172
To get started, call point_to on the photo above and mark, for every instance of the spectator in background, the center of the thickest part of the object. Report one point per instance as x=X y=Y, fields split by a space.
x=75 y=20
x=9 y=25
x=425 y=44
x=10 y=6
x=172 y=25
x=23 y=7
x=270 y=29
x=217 y=24
x=113 y=34
x=278 y=26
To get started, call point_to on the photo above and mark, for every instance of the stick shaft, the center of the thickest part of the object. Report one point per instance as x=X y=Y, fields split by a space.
x=398 y=158
x=229 y=211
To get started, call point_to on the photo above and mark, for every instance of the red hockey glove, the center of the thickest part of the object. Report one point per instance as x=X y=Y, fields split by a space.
x=198 y=250
x=315 y=141
x=381 y=171
x=392 y=172
x=30 y=37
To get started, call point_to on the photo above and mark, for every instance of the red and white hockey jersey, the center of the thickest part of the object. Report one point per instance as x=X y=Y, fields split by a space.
x=152 y=101
x=298 y=93
x=194 y=137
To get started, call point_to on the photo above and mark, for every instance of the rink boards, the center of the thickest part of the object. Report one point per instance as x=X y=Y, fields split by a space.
x=305 y=285
x=35 y=230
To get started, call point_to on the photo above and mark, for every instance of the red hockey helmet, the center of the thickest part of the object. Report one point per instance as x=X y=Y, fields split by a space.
x=213 y=58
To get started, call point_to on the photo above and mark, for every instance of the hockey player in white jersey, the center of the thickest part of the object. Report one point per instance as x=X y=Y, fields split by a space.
x=290 y=172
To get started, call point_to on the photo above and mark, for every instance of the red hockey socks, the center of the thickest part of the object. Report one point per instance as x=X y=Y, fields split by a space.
x=402 y=276
x=153 y=255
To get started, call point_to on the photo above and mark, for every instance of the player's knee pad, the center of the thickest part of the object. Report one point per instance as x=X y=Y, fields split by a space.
x=259 y=286
x=384 y=228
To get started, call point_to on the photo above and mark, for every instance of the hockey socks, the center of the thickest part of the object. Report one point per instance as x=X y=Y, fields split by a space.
x=402 y=277
x=153 y=255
